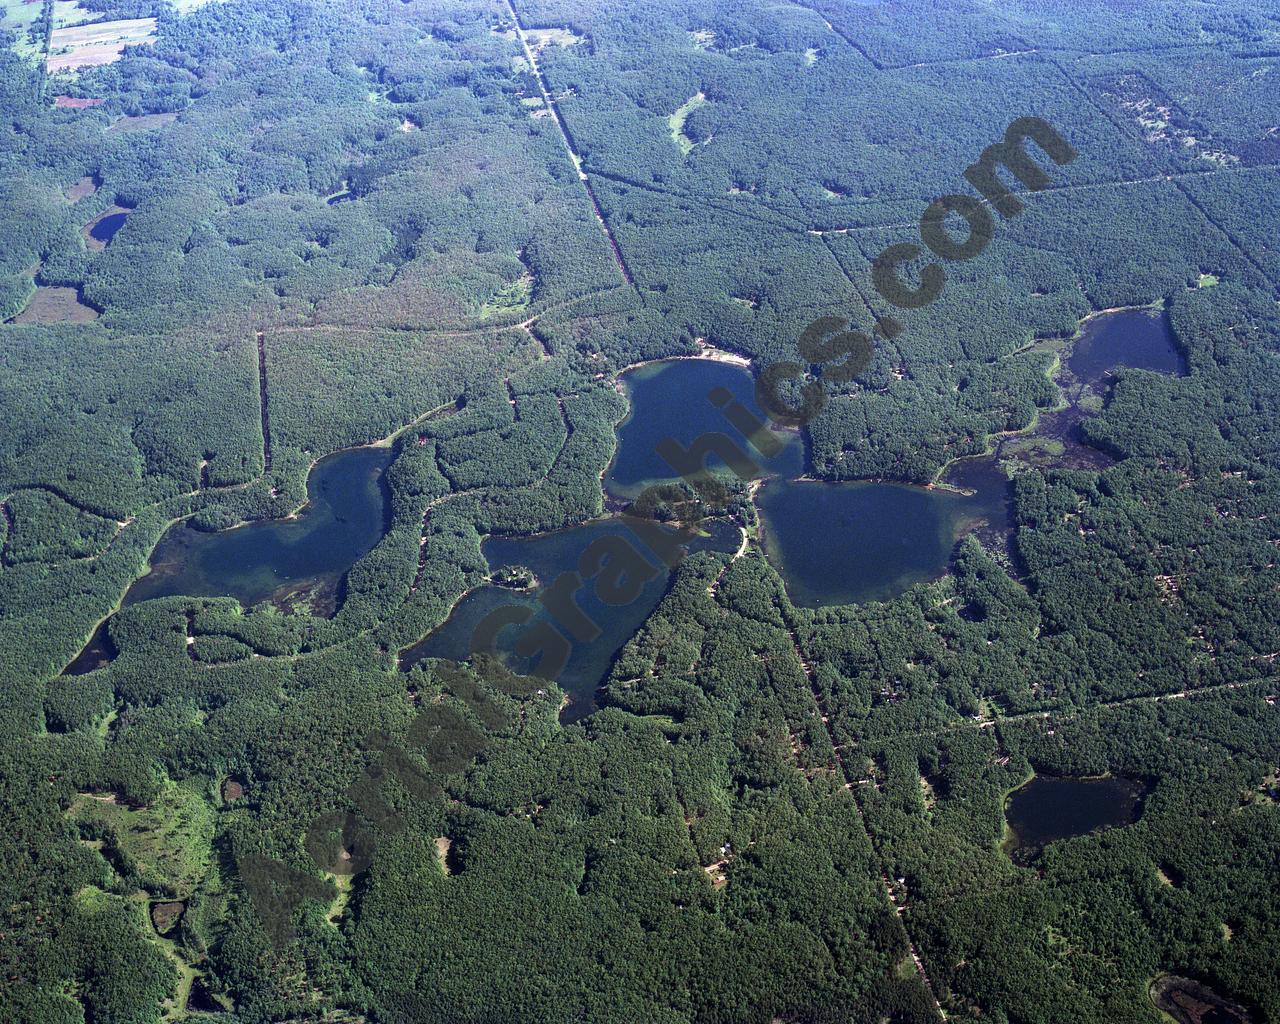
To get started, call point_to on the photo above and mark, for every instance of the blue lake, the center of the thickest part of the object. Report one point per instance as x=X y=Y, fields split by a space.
x=345 y=516
x=105 y=230
x=547 y=556
x=1137 y=338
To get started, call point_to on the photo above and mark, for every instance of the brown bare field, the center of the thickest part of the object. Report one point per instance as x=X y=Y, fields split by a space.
x=75 y=102
x=97 y=43
x=86 y=186
x=56 y=306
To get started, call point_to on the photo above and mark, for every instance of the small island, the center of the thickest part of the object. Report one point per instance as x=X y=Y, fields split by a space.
x=514 y=577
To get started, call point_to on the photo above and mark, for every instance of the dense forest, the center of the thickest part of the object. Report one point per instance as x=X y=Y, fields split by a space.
x=269 y=232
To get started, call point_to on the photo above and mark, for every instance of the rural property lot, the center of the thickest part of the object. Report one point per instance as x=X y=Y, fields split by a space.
x=97 y=43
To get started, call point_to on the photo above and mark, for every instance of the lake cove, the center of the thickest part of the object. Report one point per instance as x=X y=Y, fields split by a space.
x=1140 y=339
x=672 y=400
x=289 y=560
x=97 y=653
x=843 y=543
x=834 y=543
x=299 y=563
x=547 y=555
x=876 y=540
x=1049 y=808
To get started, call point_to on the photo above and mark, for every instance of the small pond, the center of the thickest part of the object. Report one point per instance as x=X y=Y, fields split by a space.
x=1050 y=808
x=1140 y=339
x=105 y=229
x=1192 y=1002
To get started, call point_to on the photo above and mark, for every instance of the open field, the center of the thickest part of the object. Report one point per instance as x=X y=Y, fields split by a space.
x=56 y=306
x=19 y=14
x=167 y=842
x=97 y=43
x=142 y=122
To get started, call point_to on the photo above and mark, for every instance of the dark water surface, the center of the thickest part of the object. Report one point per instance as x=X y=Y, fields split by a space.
x=201 y=999
x=1192 y=1002
x=303 y=559
x=672 y=400
x=346 y=515
x=833 y=543
x=841 y=543
x=1049 y=808
x=548 y=555
x=98 y=652
x=852 y=542
x=106 y=229
x=1137 y=338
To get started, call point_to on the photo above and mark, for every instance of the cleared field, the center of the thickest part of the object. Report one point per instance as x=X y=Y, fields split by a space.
x=677 y=119
x=167 y=842
x=141 y=122
x=69 y=12
x=56 y=306
x=19 y=14
x=97 y=43
x=19 y=17
x=541 y=38
x=75 y=103
x=86 y=186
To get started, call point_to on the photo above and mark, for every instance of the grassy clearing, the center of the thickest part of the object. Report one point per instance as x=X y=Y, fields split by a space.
x=142 y=122
x=703 y=39
x=19 y=15
x=169 y=842
x=512 y=298
x=56 y=306
x=1035 y=449
x=677 y=120
x=443 y=845
x=540 y=38
x=68 y=12
x=344 y=884
x=187 y=6
x=1207 y=281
